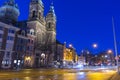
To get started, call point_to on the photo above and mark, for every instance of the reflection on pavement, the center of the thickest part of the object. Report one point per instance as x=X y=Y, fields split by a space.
x=59 y=75
x=67 y=76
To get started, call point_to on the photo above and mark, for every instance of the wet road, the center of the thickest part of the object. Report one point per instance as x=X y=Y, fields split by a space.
x=56 y=74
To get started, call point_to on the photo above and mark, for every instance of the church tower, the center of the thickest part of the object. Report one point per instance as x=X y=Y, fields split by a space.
x=36 y=21
x=51 y=32
x=36 y=10
x=51 y=25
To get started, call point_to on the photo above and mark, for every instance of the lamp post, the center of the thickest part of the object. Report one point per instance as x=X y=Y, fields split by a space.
x=95 y=46
x=110 y=53
x=115 y=44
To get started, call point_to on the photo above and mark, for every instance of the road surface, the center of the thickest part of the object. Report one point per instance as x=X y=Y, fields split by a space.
x=56 y=74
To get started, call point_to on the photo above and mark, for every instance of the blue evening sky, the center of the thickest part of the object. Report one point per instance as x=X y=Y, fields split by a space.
x=82 y=22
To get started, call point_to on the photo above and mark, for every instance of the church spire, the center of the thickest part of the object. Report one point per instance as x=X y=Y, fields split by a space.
x=51 y=13
x=51 y=19
x=52 y=9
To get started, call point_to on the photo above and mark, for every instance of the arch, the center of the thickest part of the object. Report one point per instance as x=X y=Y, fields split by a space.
x=32 y=31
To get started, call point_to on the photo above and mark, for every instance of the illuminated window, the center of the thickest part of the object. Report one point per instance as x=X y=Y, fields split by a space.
x=15 y=61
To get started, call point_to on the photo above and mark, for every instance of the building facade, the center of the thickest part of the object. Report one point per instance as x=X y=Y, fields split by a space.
x=9 y=13
x=70 y=56
x=45 y=33
x=31 y=43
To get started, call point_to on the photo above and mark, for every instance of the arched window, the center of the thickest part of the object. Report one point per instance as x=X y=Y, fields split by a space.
x=39 y=15
x=32 y=31
x=49 y=25
x=33 y=14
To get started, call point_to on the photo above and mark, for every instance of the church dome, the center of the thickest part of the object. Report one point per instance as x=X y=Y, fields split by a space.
x=9 y=12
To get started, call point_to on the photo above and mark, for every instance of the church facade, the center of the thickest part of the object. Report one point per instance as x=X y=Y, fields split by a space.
x=45 y=32
x=30 y=43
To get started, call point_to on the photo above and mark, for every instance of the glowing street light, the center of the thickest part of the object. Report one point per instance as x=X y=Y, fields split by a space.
x=95 y=45
x=109 y=51
x=70 y=45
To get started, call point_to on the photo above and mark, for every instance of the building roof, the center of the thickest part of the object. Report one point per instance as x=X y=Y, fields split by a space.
x=9 y=12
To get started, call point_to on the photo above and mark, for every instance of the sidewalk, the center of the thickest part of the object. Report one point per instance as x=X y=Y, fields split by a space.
x=115 y=77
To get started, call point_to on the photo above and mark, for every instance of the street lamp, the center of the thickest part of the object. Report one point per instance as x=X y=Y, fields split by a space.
x=95 y=45
x=70 y=45
x=109 y=51
x=115 y=43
